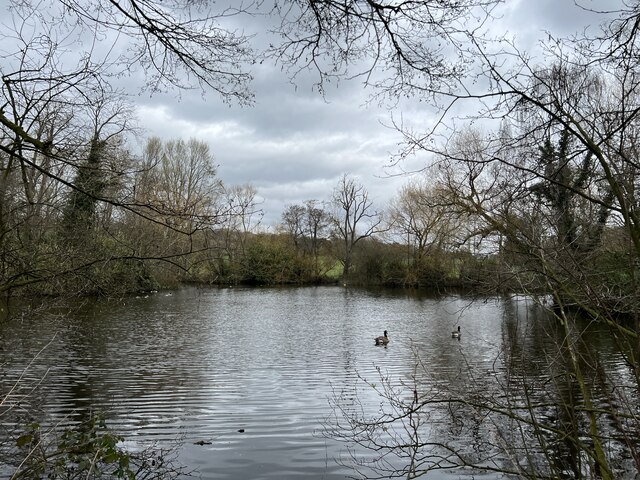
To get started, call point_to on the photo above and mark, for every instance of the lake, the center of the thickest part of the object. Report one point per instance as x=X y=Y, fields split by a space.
x=244 y=382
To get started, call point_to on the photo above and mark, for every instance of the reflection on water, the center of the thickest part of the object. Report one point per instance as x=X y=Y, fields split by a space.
x=250 y=372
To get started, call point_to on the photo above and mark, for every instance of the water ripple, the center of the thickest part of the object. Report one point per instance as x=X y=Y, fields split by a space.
x=247 y=372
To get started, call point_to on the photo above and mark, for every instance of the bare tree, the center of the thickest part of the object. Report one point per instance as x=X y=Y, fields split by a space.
x=425 y=225
x=293 y=219
x=317 y=222
x=176 y=43
x=240 y=217
x=355 y=218
x=307 y=226
x=398 y=48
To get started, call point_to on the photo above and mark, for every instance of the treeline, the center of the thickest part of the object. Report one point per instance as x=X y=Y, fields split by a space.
x=124 y=223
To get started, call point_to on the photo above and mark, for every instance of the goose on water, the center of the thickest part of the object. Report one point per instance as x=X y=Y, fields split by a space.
x=382 y=340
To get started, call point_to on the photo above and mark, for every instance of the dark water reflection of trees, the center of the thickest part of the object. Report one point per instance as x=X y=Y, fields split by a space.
x=508 y=396
x=531 y=407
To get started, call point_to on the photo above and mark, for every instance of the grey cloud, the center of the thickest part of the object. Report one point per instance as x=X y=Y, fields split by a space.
x=293 y=144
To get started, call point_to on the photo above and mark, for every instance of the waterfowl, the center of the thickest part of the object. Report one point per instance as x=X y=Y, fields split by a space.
x=202 y=442
x=456 y=333
x=383 y=340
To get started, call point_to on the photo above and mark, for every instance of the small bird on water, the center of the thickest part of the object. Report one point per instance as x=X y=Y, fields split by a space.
x=382 y=340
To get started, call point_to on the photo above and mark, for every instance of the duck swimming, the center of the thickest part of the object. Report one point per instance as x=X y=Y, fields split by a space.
x=383 y=340
x=456 y=333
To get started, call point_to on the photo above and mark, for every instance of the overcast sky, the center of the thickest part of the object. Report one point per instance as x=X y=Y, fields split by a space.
x=293 y=145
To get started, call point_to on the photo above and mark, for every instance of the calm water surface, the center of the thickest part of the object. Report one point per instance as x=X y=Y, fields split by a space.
x=202 y=364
